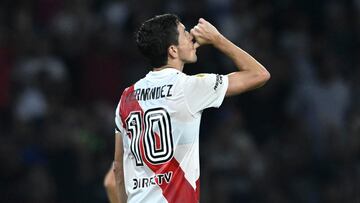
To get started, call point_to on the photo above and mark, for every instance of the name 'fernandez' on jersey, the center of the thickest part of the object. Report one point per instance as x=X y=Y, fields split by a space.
x=153 y=93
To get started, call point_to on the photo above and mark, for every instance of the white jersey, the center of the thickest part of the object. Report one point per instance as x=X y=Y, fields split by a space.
x=159 y=120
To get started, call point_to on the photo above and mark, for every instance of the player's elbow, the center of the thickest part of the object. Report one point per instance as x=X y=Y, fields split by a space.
x=109 y=180
x=244 y=81
x=263 y=76
x=259 y=79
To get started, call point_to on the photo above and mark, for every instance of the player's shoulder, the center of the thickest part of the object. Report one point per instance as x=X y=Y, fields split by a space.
x=201 y=77
x=126 y=90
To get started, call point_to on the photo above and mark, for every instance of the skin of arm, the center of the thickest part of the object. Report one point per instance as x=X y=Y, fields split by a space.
x=110 y=186
x=118 y=169
x=250 y=75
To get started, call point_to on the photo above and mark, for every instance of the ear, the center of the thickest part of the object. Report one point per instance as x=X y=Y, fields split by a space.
x=173 y=51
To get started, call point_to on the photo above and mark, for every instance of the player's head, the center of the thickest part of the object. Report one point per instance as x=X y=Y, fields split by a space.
x=164 y=38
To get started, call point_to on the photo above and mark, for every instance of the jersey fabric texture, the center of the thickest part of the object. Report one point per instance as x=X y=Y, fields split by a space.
x=159 y=120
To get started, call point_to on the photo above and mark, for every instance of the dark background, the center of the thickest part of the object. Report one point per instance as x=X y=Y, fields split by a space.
x=64 y=64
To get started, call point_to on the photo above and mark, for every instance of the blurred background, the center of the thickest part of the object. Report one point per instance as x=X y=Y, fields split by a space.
x=64 y=65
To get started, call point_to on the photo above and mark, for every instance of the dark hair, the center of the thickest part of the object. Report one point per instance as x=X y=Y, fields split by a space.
x=155 y=36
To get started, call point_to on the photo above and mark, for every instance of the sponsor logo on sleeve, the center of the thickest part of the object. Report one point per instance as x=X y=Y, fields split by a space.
x=219 y=80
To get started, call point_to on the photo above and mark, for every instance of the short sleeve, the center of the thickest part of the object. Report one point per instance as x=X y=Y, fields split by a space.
x=204 y=91
x=118 y=123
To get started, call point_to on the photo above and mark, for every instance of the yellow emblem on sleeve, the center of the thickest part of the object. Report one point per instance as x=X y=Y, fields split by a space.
x=200 y=75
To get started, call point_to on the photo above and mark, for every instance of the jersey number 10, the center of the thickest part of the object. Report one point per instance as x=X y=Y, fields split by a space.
x=138 y=125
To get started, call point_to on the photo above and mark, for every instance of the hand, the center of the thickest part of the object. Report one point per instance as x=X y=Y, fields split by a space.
x=204 y=33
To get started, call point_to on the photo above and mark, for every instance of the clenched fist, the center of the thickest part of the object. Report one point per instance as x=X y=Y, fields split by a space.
x=204 y=32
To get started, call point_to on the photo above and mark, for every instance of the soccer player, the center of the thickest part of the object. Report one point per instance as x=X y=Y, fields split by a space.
x=158 y=117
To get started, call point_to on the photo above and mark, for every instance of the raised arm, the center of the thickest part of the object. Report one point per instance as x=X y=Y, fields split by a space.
x=250 y=75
